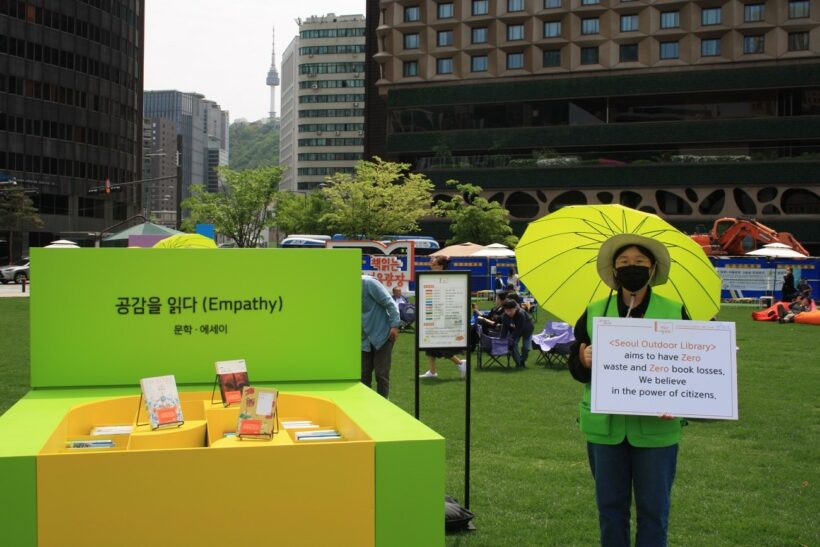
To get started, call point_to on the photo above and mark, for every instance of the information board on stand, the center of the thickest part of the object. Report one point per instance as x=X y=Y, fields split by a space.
x=443 y=305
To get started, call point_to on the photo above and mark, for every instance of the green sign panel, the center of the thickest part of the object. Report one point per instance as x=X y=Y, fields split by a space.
x=113 y=316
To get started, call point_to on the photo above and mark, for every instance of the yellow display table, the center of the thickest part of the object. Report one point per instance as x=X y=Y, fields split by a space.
x=381 y=483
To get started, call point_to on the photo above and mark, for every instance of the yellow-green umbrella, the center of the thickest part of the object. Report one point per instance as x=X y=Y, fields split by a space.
x=186 y=241
x=557 y=258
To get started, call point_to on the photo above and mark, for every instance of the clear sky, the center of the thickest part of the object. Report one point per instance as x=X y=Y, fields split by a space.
x=222 y=48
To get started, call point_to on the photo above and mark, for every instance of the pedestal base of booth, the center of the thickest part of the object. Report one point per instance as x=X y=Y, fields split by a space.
x=380 y=483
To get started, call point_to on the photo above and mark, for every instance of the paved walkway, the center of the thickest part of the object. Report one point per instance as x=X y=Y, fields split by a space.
x=13 y=289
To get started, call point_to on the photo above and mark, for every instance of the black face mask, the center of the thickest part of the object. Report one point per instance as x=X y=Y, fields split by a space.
x=632 y=278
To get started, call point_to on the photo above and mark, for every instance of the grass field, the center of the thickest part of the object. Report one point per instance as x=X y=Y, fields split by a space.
x=753 y=482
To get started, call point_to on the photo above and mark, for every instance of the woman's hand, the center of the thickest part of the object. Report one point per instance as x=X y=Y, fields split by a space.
x=585 y=354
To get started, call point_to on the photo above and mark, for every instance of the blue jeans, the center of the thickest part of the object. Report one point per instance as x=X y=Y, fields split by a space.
x=618 y=469
x=520 y=357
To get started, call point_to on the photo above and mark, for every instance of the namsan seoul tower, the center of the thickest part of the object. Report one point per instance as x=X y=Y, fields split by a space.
x=273 y=78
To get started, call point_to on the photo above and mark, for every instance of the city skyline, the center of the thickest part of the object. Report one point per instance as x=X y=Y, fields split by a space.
x=234 y=36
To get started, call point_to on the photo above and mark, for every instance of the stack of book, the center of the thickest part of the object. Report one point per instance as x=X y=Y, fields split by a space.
x=318 y=435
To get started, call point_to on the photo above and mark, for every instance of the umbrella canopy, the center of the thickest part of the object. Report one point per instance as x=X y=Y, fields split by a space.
x=62 y=244
x=557 y=260
x=186 y=241
x=460 y=249
x=774 y=250
x=495 y=250
x=144 y=229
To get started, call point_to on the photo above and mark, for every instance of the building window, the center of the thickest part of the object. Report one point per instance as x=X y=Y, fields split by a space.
x=479 y=63
x=670 y=19
x=710 y=16
x=444 y=38
x=552 y=29
x=445 y=10
x=515 y=61
x=411 y=14
x=515 y=32
x=753 y=44
x=669 y=50
x=444 y=65
x=752 y=13
x=590 y=25
x=798 y=41
x=590 y=2
x=798 y=9
x=550 y=4
x=589 y=55
x=515 y=5
x=410 y=68
x=479 y=35
x=552 y=57
x=629 y=23
x=480 y=7
x=628 y=53
x=710 y=48
x=411 y=41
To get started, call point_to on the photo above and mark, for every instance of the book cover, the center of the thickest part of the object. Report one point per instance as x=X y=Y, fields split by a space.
x=161 y=400
x=257 y=412
x=233 y=376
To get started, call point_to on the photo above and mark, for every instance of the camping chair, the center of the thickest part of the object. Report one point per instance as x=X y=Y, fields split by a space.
x=407 y=314
x=555 y=343
x=492 y=349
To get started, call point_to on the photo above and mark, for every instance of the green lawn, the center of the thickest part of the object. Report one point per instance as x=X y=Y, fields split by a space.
x=751 y=482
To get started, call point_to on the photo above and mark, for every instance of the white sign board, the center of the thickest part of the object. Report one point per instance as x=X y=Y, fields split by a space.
x=750 y=279
x=654 y=366
x=443 y=309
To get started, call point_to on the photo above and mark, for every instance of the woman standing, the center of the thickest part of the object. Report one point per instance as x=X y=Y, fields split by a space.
x=629 y=453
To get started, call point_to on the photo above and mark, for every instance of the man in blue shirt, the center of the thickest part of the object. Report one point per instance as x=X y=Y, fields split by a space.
x=380 y=327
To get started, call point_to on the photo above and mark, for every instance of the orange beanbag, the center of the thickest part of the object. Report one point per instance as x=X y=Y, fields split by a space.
x=808 y=318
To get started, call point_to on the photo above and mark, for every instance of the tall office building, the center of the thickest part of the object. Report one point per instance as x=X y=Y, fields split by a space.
x=71 y=113
x=159 y=170
x=203 y=129
x=323 y=100
x=289 y=104
x=691 y=109
x=273 y=77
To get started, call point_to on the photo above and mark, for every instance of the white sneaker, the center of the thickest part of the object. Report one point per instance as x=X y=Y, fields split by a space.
x=462 y=368
x=428 y=374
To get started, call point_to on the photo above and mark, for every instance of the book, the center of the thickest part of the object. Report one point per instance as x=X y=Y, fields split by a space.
x=233 y=376
x=257 y=412
x=299 y=424
x=318 y=434
x=90 y=443
x=161 y=400
x=106 y=430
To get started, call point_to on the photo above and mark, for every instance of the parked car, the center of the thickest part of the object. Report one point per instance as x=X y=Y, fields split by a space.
x=17 y=272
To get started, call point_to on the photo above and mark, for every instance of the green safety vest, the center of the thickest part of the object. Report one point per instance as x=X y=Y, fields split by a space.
x=640 y=431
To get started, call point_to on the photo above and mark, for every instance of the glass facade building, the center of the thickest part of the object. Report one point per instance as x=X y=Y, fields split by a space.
x=690 y=109
x=71 y=113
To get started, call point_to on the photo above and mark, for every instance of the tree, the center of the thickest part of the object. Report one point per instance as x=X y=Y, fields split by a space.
x=301 y=213
x=253 y=144
x=17 y=212
x=475 y=218
x=240 y=209
x=381 y=198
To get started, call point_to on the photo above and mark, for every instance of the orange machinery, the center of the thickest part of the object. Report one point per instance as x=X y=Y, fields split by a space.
x=738 y=236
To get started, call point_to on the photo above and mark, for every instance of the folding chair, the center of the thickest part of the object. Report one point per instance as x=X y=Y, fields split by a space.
x=493 y=348
x=554 y=344
x=407 y=314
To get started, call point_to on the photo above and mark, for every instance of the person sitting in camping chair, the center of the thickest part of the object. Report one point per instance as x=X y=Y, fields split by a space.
x=517 y=324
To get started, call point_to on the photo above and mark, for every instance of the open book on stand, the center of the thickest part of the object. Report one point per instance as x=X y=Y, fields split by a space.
x=232 y=377
x=161 y=400
x=257 y=414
